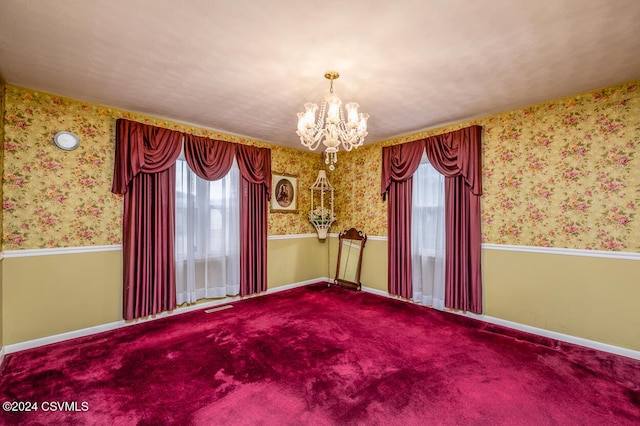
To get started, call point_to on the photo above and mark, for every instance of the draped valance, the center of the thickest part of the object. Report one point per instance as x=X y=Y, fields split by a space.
x=144 y=172
x=453 y=153
x=141 y=148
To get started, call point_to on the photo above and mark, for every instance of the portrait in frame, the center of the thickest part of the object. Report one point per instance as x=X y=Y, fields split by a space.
x=284 y=193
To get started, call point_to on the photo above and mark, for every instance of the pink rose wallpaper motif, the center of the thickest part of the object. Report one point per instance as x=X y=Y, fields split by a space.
x=56 y=198
x=564 y=173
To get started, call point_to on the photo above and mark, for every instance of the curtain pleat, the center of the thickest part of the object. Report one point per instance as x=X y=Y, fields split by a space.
x=255 y=168
x=253 y=238
x=458 y=153
x=144 y=172
x=399 y=162
x=400 y=278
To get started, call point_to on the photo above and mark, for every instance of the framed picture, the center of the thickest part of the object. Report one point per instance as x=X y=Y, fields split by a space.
x=284 y=193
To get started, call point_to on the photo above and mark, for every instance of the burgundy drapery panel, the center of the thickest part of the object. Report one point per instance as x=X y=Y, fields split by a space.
x=399 y=162
x=144 y=172
x=255 y=169
x=457 y=156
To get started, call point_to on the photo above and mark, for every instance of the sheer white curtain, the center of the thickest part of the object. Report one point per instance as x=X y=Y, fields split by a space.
x=428 y=235
x=207 y=235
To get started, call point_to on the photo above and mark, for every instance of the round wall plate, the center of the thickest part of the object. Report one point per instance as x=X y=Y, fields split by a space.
x=66 y=140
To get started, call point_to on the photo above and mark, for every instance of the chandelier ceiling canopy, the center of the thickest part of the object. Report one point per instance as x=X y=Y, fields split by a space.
x=331 y=128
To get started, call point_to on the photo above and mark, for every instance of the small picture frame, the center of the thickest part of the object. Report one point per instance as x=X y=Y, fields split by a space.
x=284 y=193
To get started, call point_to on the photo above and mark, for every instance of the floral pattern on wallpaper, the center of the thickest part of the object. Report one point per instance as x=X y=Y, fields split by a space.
x=55 y=198
x=304 y=165
x=356 y=180
x=564 y=173
x=2 y=86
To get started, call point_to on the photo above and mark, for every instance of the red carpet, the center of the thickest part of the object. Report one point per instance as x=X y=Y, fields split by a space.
x=320 y=356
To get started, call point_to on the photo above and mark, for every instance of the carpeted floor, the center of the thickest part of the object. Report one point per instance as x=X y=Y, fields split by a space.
x=319 y=355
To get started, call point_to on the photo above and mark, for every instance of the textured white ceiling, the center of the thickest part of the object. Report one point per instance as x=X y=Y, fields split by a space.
x=248 y=66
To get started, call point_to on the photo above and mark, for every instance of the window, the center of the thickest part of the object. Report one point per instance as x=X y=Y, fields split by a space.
x=428 y=235
x=207 y=235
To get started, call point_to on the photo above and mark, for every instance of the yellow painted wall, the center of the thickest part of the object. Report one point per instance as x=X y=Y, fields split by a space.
x=48 y=295
x=592 y=298
x=54 y=294
x=588 y=297
x=294 y=260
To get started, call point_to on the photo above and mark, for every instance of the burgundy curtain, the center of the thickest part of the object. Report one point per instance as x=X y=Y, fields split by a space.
x=255 y=169
x=209 y=159
x=457 y=155
x=399 y=162
x=144 y=171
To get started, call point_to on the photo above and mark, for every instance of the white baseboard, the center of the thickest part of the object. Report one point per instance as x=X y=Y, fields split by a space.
x=376 y=291
x=30 y=344
x=298 y=284
x=629 y=353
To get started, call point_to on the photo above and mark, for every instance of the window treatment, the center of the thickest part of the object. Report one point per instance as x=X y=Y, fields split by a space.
x=399 y=162
x=428 y=244
x=207 y=226
x=149 y=209
x=255 y=169
x=211 y=160
x=457 y=155
x=207 y=235
x=144 y=172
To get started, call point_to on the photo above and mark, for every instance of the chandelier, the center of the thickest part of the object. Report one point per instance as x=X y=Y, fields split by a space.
x=331 y=128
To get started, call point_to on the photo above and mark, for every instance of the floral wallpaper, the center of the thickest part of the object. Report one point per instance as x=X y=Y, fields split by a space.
x=56 y=198
x=2 y=85
x=564 y=173
x=304 y=165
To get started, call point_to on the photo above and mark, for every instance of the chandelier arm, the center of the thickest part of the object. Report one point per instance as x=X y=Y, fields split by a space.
x=311 y=144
